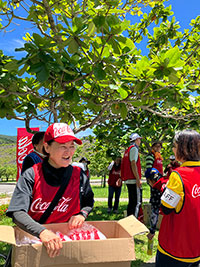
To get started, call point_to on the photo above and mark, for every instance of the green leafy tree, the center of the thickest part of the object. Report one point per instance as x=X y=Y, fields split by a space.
x=114 y=135
x=83 y=64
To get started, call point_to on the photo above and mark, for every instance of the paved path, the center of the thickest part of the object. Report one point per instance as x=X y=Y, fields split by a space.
x=7 y=188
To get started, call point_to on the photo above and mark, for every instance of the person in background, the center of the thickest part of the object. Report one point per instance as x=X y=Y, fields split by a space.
x=85 y=163
x=114 y=184
x=156 y=181
x=171 y=166
x=154 y=160
x=178 y=240
x=37 y=186
x=37 y=155
x=131 y=174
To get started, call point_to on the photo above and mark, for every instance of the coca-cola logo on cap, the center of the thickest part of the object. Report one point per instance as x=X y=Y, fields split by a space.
x=61 y=129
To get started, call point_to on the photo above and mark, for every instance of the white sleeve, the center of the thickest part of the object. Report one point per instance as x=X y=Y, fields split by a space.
x=79 y=164
x=133 y=154
x=111 y=165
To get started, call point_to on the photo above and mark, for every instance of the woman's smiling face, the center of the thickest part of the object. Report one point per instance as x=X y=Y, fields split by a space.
x=60 y=155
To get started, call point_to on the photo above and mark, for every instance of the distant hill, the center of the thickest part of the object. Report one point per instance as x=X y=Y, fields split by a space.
x=7 y=139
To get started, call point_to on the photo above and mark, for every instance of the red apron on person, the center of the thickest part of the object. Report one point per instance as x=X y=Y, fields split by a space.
x=126 y=171
x=183 y=227
x=43 y=194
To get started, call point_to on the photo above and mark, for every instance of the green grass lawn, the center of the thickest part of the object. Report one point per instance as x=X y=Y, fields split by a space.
x=100 y=213
x=4 y=248
x=102 y=192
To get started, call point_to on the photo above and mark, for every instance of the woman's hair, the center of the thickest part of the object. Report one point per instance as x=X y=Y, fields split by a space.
x=43 y=149
x=188 y=145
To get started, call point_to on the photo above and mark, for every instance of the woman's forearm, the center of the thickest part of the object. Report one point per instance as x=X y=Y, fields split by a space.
x=26 y=223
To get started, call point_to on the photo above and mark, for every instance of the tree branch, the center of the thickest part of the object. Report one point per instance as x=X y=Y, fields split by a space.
x=51 y=21
x=93 y=122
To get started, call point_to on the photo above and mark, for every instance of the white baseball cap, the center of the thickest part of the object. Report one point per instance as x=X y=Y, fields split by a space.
x=134 y=136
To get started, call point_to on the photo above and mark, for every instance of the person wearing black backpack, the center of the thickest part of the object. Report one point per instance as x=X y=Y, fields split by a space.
x=52 y=191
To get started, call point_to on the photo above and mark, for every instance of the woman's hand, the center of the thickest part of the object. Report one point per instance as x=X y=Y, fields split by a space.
x=119 y=182
x=151 y=183
x=52 y=243
x=76 y=221
x=138 y=182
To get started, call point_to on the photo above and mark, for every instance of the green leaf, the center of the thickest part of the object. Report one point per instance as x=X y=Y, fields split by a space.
x=38 y=40
x=137 y=103
x=91 y=29
x=115 y=108
x=123 y=93
x=139 y=87
x=35 y=100
x=11 y=66
x=79 y=21
x=22 y=70
x=99 y=20
x=76 y=97
x=123 y=110
x=173 y=78
x=36 y=67
x=19 y=49
x=116 y=46
x=43 y=74
x=135 y=72
x=174 y=56
x=92 y=106
x=73 y=46
x=72 y=95
x=31 y=109
x=65 y=19
x=159 y=74
x=99 y=73
x=112 y=20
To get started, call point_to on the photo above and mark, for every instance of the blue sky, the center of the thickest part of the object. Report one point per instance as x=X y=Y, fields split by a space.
x=184 y=11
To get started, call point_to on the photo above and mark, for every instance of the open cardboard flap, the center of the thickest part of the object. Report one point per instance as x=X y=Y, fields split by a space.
x=7 y=234
x=133 y=226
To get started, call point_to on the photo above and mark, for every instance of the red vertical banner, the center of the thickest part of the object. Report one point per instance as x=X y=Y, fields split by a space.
x=24 y=146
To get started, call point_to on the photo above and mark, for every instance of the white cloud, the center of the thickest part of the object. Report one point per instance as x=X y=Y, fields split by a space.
x=8 y=46
x=19 y=42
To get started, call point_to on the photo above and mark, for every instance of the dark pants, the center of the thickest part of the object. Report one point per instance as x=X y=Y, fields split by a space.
x=163 y=260
x=134 y=200
x=154 y=218
x=111 y=191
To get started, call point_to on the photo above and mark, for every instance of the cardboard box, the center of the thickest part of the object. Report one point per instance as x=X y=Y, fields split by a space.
x=117 y=250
